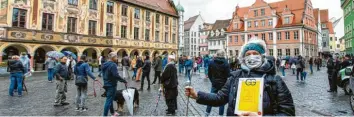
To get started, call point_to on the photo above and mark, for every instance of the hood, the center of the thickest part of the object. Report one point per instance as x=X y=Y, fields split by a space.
x=79 y=63
x=267 y=67
x=106 y=65
x=220 y=60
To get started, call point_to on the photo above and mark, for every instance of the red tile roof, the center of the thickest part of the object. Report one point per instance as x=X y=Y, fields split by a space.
x=330 y=27
x=164 y=6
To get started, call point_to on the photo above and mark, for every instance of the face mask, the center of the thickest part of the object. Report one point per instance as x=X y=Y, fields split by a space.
x=253 y=61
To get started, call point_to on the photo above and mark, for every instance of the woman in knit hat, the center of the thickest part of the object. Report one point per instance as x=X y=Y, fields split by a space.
x=277 y=99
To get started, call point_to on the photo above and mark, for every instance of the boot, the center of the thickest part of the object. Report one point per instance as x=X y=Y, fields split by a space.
x=148 y=88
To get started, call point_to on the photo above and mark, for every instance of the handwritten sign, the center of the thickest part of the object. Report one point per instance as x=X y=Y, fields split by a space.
x=249 y=96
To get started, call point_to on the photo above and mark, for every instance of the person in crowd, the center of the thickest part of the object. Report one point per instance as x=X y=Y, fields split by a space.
x=206 y=65
x=169 y=82
x=278 y=63
x=110 y=79
x=26 y=62
x=102 y=60
x=346 y=62
x=50 y=63
x=330 y=71
x=283 y=67
x=318 y=62
x=180 y=64
x=188 y=65
x=133 y=66
x=199 y=63
x=82 y=70
x=277 y=99
x=16 y=70
x=195 y=65
x=311 y=64
x=70 y=63
x=146 y=73
x=233 y=65
x=125 y=63
x=100 y=64
x=61 y=76
x=164 y=61
x=139 y=65
x=157 y=65
x=300 y=66
x=219 y=71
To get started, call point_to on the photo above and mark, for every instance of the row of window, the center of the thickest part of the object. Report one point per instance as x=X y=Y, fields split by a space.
x=255 y=12
x=270 y=36
x=255 y=23
x=19 y=20
x=216 y=43
x=349 y=27
x=349 y=9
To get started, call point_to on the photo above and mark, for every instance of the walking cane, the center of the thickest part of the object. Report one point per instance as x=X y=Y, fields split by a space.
x=157 y=102
x=188 y=83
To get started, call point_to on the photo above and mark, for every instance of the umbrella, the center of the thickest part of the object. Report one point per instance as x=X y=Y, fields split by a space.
x=55 y=54
x=128 y=94
x=68 y=53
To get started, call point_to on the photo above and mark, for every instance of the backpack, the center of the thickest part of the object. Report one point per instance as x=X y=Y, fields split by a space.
x=80 y=80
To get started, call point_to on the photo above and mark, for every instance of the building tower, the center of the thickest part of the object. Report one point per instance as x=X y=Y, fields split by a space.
x=180 y=10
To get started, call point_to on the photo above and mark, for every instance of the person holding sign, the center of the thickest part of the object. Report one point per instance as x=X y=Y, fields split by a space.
x=255 y=90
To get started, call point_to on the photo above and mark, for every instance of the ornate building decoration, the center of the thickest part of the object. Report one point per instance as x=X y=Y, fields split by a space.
x=71 y=38
x=47 y=37
x=18 y=35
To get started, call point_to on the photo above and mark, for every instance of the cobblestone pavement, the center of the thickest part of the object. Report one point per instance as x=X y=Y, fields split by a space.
x=311 y=98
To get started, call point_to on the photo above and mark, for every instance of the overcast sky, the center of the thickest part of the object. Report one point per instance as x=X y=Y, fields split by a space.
x=212 y=10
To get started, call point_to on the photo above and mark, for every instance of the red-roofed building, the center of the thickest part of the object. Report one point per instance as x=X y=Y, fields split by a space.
x=289 y=27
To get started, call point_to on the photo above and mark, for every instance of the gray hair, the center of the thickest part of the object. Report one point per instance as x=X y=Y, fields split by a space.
x=112 y=55
x=220 y=53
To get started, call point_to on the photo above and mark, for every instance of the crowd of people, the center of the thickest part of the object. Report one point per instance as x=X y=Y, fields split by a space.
x=223 y=74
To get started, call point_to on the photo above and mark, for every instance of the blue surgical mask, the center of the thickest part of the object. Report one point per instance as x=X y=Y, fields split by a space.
x=253 y=61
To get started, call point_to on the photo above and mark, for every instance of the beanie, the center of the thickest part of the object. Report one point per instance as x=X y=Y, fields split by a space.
x=253 y=46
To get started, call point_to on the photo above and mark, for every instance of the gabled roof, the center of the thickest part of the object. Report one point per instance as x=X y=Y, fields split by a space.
x=189 y=23
x=330 y=27
x=164 y=6
x=295 y=6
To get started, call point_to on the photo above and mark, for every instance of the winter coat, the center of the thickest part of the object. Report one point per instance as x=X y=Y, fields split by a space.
x=16 y=66
x=188 y=64
x=164 y=62
x=180 y=61
x=51 y=63
x=199 y=61
x=311 y=61
x=125 y=61
x=61 y=71
x=345 y=64
x=169 y=79
x=218 y=72
x=83 y=69
x=330 y=66
x=147 y=66
x=111 y=75
x=157 y=65
x=26 y=63
x=300 y=64
x=277 y=99
x=139 y=63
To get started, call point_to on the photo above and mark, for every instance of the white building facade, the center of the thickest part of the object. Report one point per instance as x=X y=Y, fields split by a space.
x=180 y=10
x=192 y=28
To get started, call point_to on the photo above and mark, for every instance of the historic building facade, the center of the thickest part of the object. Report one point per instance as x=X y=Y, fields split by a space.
x=87 y=27
x=217 y=38
x=203 y=44
x=348 y=14
x=288 y=27
x=192 y=28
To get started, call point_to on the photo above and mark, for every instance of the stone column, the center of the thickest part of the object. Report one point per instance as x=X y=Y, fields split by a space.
x=32 y=60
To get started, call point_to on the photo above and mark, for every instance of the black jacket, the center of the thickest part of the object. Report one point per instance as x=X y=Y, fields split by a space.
x=147 y=66
x=330 y=66
x=276 y=102
x=169 y=79
x=345 y=64
x=16 y=66
x=125 y=61
x=218 y=72
x=139 y=63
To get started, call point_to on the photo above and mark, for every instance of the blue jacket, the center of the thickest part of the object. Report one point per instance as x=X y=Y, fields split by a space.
x=188 y=64
x=83 y=69
x=111 y=75
x=164 y=62
x=277 y=99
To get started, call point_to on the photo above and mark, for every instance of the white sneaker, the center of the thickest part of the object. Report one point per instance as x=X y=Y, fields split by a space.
x=84 y=109
x=77 y=109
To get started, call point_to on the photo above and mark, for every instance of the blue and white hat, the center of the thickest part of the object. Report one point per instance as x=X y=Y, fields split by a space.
x=254 y=44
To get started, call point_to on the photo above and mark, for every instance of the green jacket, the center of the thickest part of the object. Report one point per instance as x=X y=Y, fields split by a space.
x=157 y=64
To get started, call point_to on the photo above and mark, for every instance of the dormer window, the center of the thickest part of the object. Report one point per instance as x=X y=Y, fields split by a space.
x=235 y=25
x=324 y=26
x=286 y=20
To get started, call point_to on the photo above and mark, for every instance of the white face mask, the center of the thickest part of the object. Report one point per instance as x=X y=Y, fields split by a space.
x=253 y=61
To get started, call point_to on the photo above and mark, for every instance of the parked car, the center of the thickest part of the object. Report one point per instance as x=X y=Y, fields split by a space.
x=343 y=80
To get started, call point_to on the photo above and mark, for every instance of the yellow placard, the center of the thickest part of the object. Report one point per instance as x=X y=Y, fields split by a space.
x=249 y=96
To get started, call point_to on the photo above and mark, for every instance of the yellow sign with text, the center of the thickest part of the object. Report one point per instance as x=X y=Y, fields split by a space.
x=249 y=96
